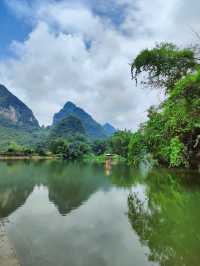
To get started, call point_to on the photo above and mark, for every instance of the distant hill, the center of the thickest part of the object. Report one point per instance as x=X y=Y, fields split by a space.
x=17 y=122
x=14 y=112
x=93 y=129
x=67 y=127
x=109 y=129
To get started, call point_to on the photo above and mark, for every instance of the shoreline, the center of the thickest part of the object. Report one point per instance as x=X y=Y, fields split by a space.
x=8 y=255
x=93 y=160
x=2 y=158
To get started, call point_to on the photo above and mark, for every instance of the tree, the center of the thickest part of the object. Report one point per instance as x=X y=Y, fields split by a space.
x=119 y=143
x=172 y=132
x=58 y=146
x=76 y=150
x=165 y=65
x=136 y=149
x=15 y=148
x=40 y=150
x=99 y=147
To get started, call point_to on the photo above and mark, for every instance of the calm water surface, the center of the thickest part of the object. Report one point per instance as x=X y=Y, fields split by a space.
x=61 y=214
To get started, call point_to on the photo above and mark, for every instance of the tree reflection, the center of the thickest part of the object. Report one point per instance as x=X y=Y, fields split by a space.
x=123 y=176
x=166 y=220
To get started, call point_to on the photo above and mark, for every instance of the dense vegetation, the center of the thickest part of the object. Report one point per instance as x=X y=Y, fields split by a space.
x=72 y=146
x=22 y=136
x=171 y=135
x=68 y=126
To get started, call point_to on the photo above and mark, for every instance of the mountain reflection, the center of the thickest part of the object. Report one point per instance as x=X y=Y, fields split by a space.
x=69 y=185
x=15 y=188
x=166 y=219
x=163 y=206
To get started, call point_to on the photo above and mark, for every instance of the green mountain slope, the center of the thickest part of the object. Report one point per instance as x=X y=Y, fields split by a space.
x=93 y=129
x=67 y=127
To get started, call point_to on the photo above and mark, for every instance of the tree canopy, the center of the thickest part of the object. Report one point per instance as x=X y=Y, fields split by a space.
x=165 y=65
x=172 y=132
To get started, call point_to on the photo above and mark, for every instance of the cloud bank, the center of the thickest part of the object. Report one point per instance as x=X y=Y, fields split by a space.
x=81 y=52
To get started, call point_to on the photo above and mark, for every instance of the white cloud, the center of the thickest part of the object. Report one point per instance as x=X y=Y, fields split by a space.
x=74 y=54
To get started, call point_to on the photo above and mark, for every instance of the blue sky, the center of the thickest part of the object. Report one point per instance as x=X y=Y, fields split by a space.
x=14 y=27
x=53 y=51
x=11 y=28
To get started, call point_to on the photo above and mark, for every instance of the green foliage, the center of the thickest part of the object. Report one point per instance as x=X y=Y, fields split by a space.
x=68 y=126
x=119 y=143
x=21 y=136
x=14 y=147
x=58 y=146
x=172 y=132
x=176 y=152
x=70 y=150
x=101 y=159
x=41 y=149
x=165 y=65
x=76 y=150
x=136 y=149
x=99 y=147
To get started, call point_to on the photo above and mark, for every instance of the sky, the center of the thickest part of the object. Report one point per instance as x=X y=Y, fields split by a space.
x=54 y=51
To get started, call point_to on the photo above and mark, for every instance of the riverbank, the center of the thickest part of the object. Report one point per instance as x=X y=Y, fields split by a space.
x=36 y=157
x=7 y=252
x=102 y=159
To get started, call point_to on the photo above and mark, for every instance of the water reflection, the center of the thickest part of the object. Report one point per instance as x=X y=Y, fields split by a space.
x=46 y=231
x=14 y=189
x=69 y=185
x=166 y=218
x=73 y=214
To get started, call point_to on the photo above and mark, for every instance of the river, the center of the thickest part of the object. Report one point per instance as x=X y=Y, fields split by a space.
x=88 y=215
